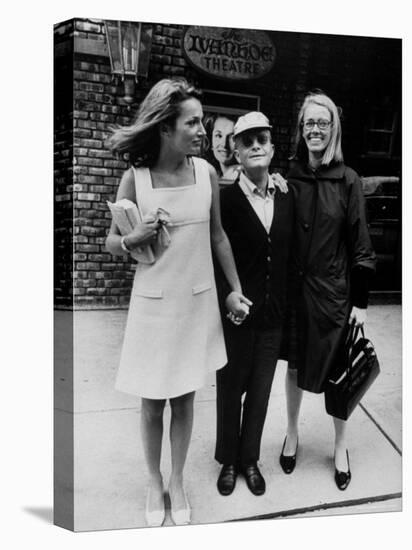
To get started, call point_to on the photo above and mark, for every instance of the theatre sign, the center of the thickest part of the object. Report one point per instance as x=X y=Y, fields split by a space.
x=234 y=54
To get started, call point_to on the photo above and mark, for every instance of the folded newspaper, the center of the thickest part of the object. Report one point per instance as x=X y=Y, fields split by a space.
x=126 y=216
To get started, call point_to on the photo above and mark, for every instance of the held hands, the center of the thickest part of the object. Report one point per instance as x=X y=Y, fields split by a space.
x=238 y=307
x=357 y=316
x=280 y=182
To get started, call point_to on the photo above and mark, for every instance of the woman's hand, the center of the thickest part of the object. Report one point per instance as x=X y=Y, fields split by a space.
x=143 y=234
x=280 y=182
x=238 y=307
x=357 y=316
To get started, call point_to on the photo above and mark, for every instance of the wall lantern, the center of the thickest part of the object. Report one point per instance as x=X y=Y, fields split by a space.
x=129 y=46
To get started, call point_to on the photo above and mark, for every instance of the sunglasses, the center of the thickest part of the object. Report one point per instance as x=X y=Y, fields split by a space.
x=322 y=124
x=247 y=140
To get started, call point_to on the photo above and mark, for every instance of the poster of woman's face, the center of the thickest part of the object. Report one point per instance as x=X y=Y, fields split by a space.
x=220 y=145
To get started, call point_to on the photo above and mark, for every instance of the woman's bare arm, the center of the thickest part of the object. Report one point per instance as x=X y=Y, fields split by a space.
x=143 y=233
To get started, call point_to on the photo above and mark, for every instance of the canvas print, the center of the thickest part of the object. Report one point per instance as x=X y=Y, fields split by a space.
x=228 y=288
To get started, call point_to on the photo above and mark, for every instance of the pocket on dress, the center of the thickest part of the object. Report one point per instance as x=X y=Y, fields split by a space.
x=197 y=289
x=149 y=292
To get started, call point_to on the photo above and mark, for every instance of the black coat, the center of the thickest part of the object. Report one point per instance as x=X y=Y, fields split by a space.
x=261 y=258
x=331 y=238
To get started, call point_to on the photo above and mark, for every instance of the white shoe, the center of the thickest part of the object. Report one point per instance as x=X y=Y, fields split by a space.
x=155 y=518
x=181 y=516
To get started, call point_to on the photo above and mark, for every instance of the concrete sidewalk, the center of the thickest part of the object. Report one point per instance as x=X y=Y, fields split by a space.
x=109 y=470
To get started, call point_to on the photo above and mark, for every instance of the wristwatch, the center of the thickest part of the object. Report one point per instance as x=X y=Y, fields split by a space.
x=123 y=245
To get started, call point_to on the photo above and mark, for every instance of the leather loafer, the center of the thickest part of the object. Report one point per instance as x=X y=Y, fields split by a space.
x=226 y=481
x=288 y=463
x=342 y=479
x=254 y=479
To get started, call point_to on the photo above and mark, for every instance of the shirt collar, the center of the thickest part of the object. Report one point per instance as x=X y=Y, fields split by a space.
x=250 y=189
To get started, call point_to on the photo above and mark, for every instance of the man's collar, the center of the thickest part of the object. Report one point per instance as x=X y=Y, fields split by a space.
x=250 y=188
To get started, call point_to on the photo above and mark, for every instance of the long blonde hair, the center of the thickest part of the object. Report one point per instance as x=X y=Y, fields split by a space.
x=141 y=140
x=333 y=151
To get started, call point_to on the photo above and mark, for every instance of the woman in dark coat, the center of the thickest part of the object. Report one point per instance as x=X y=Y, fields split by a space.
x=332 y=262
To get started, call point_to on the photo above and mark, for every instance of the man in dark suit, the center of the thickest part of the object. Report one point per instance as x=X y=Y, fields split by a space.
x=258 y=220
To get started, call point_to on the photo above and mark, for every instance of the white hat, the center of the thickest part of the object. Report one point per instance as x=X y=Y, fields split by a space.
x=249 y=121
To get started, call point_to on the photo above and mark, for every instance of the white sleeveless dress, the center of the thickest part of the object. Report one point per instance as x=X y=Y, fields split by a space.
x=174 y=336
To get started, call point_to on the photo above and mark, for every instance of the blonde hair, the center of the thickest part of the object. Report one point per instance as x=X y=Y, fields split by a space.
x=333 y=151
x=141 y=140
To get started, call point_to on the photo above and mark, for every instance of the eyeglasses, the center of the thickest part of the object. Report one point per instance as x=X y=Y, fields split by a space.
x=322 y=124
x=248 y=140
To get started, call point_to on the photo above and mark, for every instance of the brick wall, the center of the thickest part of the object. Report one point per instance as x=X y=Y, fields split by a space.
x=87 y=102
x=63 y=171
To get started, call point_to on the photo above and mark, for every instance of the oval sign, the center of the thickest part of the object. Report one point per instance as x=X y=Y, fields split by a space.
x=233 y=54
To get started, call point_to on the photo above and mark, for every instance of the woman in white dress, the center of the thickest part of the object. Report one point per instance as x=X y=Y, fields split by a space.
x=173 y=337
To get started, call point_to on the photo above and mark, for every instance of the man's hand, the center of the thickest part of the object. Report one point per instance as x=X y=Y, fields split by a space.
x=238 y=307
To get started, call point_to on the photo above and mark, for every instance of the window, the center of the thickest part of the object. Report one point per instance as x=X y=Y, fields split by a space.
x=229 y=102
x=381 y=132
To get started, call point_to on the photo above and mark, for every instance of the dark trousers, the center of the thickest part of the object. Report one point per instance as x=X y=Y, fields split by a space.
x=252 y=357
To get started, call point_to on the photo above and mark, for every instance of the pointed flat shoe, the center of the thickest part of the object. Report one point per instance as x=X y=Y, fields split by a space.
x=182 y=515
x=154 y=518
x=288 y=463
x=342 y=479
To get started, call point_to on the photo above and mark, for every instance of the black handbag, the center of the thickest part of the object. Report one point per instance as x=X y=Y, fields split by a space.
x=361 y=367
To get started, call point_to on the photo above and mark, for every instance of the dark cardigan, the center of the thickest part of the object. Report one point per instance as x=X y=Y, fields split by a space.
x=261 y=258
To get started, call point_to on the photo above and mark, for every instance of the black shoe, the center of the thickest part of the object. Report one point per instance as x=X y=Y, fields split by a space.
x=342 y=479
x=254 y=479
x=288 y=463
x=226 y=481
